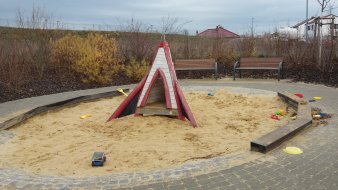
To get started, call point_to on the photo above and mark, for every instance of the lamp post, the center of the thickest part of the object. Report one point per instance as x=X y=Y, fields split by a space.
x=307 y=17
x=252 y=29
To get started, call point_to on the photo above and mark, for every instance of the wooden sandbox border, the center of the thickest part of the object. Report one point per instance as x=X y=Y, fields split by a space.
x=273 y=139
x=263 y=144
x=57 y=105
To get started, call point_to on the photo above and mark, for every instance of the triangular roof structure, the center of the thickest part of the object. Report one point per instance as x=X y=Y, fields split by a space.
x=313 y=19
x=158 y=93
x=219 y=32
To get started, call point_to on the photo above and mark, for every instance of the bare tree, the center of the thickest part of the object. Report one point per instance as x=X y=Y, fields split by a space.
x=34 y=26
x=323 y=4
x=38 y=19
x=136 y=41
x=171 y=25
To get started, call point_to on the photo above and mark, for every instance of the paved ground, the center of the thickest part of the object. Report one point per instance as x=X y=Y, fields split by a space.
x=316 y=168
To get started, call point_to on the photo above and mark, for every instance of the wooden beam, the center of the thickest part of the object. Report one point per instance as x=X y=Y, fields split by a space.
x=275 y=138
x=156 y=111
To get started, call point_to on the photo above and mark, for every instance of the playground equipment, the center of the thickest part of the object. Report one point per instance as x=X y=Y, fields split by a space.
x=98 y=158
x=293 y=150
x=86 y=116
x=317 y=98
x=121 y=91
x=158 y=93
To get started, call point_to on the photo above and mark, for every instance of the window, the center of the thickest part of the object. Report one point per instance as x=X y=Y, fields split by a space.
x=310 y=27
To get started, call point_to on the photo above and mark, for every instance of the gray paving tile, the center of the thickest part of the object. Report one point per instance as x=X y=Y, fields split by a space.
x=317 y=168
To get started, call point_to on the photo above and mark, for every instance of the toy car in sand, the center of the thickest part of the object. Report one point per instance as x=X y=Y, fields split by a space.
x=98 y=158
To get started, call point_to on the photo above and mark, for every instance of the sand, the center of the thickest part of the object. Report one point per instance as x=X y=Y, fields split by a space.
x=60 y=143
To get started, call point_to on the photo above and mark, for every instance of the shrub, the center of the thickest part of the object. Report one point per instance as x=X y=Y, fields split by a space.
x=136 y=70
x=95 y=57
x=227 y=57
x=247 y=46
x=15 y=60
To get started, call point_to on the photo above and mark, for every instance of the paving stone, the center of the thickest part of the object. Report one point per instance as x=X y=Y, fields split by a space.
x=191 y=183
x=213 y=174
x=316 y=168
x=193 y=188
x=142 y=187
x=177 y=187
x=201 y=177
x=172 y=183
x=156 y=186
x=210 y=185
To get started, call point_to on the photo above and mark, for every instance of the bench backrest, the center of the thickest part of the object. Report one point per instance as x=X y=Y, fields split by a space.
x=195 y=63
x=272 y=62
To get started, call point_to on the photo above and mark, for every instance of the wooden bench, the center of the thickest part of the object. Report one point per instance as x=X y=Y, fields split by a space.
x=275 y=138
x=255 y=63
x=196 y=64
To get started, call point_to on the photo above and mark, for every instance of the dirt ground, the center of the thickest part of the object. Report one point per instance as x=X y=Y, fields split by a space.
x=61 y=143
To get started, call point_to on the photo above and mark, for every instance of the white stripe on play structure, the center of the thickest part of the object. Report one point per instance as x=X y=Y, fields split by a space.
x=160 y=62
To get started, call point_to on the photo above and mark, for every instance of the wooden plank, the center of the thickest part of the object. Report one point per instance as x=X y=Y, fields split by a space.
x=156 y=111
x=196 y=68
x=260 y=62
x=273 y=139
x=304 y=111
x=262 y=59
x=194 y=64
x=289 y=97
x=200 y=61
x=256 y=68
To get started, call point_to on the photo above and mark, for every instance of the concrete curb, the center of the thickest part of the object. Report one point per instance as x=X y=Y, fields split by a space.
x=53 y=106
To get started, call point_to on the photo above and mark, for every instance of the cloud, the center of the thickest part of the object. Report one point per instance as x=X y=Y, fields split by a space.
x=234 y=15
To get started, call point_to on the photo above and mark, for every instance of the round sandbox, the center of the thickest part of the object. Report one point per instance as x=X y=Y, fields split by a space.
x=61 y=143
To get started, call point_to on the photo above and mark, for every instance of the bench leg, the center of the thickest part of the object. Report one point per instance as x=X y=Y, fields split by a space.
x=240 y=74
x=216 y=73
x=234 y=74
x=279 y=75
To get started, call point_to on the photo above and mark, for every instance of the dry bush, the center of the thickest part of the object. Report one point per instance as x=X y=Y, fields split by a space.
x=95 y=57
x=137 y=42
x=246 y=46
x=302 y=58
x=35 y=30
x=65 y=51
x=136 y=70
x=228 y=56
x=15 y=59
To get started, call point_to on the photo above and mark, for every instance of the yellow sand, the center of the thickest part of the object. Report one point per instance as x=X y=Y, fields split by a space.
x=61 y=143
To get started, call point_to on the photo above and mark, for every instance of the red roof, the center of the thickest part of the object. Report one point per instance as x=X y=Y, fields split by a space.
x=219 y=31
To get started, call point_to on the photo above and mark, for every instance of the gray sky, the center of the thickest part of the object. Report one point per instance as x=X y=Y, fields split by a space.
x=234 y=15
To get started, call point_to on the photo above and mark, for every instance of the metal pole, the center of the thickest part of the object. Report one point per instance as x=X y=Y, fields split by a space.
x=320 y=40
x=307 y=17
x=252 y=32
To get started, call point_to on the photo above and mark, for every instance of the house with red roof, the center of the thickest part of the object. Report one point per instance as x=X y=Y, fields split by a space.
x=219 y=32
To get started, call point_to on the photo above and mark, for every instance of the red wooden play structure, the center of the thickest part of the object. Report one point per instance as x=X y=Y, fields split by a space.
x=158 y=93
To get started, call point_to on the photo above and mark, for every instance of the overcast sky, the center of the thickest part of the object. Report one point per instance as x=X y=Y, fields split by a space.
x=234 y=15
